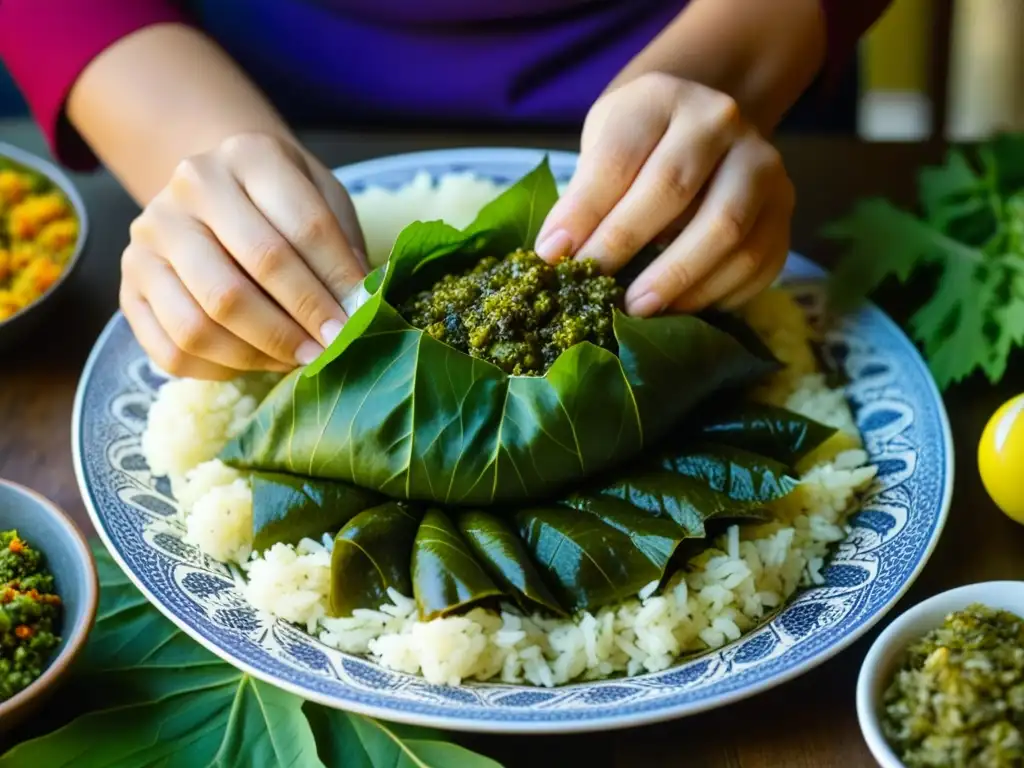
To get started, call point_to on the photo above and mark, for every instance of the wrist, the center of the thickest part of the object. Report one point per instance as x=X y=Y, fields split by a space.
x=763 y=54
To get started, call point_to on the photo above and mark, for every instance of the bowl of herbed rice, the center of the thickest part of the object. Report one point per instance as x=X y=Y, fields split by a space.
x=43 y=231
x=943 y=685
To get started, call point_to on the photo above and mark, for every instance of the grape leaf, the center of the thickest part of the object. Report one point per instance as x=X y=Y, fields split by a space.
x=972 y=233
x=351 y=741
x=1010 y=330
x=883 y=241
x=945 y=188
x=167 y=701
x=951 y=324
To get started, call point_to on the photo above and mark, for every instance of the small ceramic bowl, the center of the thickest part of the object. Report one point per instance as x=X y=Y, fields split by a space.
x=17 y=328
x=68 y=558
x=887 y=652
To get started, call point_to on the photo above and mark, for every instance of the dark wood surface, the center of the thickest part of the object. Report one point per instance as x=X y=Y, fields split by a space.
x=808 y=722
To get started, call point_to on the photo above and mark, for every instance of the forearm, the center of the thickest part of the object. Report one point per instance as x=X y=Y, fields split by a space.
x=764 y=53
x=162 y=94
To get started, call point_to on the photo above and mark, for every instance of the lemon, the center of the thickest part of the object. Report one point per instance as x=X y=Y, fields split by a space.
x=1001 y=458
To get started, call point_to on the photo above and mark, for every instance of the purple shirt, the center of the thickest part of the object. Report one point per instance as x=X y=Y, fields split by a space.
x=503 y=62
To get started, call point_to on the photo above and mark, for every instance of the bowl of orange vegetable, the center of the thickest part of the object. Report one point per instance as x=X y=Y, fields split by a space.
x=43 y=229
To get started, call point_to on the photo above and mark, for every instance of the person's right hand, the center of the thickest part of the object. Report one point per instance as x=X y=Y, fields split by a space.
x=242 y=261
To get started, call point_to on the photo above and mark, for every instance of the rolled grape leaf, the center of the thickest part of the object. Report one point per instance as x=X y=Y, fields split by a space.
x=504 y=555
x=287 y=509
x=774 y=432
x=390 y=408
x=372 y=553
x=446 y=577
x=687 y=501
x=691 y=486
x=655 y=537
x=589 y=562
x=741 y=475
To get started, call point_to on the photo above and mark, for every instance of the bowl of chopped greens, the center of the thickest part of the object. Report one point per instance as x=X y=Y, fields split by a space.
x=48 y=598
x=944 y=684
x=43 y=229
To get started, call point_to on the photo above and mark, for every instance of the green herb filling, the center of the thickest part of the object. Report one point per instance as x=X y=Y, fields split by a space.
x=518 y=312
x=29 y=614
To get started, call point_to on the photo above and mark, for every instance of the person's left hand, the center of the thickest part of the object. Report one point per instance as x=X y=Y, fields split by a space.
x=661 y=156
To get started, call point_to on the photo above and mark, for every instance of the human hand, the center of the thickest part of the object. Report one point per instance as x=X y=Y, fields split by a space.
x=242 y=261
x=664 y=157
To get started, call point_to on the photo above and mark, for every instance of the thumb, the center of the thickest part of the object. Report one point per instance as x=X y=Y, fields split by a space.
x=338 y=200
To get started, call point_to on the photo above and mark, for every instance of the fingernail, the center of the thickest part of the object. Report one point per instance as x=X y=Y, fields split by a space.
x=307 y=352
x=555 y=246
x=645 y=305
x=329 y=331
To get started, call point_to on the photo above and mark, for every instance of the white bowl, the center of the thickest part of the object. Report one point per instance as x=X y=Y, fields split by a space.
x=886 y=654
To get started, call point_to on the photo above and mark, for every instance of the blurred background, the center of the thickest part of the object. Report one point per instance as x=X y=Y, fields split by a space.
x=952 y=69
x=930 y=68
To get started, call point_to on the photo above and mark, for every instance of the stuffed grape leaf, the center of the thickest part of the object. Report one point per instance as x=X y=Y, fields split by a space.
x=446 y=577
x=771 y=431
x=498 y=547
x=287 y=509
x=392 y=409
x=743 y=476
x=371 y=554
x=589 y=562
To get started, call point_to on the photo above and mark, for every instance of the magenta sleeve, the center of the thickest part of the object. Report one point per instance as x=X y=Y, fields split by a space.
x=46 y=44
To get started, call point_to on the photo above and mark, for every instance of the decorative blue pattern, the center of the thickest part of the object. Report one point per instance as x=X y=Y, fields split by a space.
x=897 y=409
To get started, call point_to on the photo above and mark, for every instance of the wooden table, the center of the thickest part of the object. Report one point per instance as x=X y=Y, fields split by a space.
x=809 y=722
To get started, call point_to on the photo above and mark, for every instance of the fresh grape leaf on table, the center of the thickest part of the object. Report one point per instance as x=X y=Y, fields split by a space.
x=972 y=236
x=167 y=701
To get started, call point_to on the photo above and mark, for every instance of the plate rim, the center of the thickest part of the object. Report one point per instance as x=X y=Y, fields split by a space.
x=553 y=726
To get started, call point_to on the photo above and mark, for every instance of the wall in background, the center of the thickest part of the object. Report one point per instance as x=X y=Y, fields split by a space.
x=895 y=63
x=986 y=92
x=897 y=49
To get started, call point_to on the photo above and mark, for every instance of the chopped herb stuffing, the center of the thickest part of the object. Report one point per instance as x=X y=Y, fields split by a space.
x=29 y=614
x=958 y=700
x=518 y=312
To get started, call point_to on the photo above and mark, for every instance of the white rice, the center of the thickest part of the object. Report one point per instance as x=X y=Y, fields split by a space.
x=220 y=522
x=816 y=401
x=291 y=583
x=725 y=591
x=384 y=213
x=191 y=421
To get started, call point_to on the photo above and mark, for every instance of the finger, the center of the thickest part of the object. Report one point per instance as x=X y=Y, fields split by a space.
x=735 y=272
x=666 y=186
x=185 y=322
x=678 y=224
x=753 y=266
x=265 y=254
x=224 y=292
x=341 y=206
x=775 y=260
x=158 y=345
x=776 y=249
x=735 y=197
x=294 y=206
x=605 y=170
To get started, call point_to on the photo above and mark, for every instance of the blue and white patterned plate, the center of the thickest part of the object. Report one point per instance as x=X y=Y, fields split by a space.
x=897 y=407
